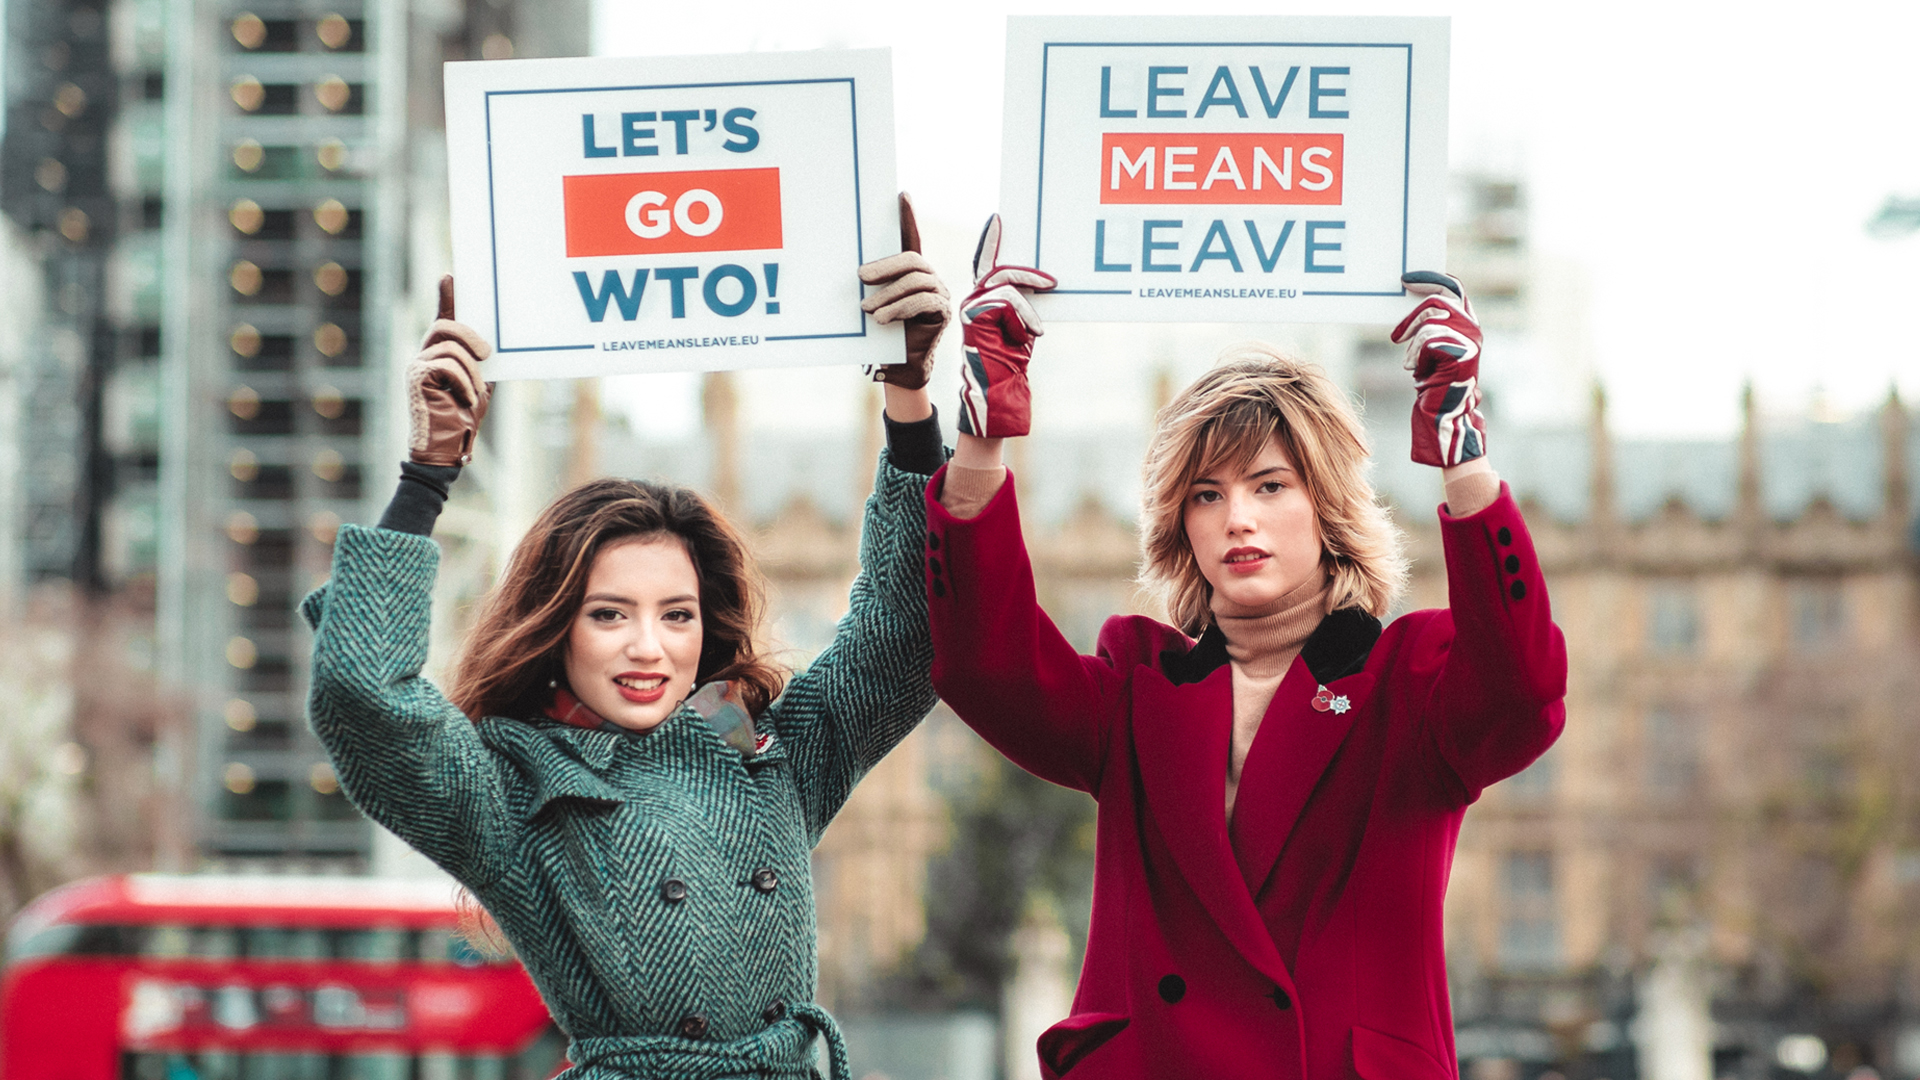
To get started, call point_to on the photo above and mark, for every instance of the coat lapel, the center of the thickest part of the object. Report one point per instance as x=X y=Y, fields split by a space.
x=555 y=761
x=1180 y=735
x=1297 y=742
x=1294 y=746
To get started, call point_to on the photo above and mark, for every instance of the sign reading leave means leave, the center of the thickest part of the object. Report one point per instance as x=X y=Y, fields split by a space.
x=1226 y=169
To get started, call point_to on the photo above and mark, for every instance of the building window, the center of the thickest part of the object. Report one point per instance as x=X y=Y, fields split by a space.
x=1529 y=925
x=1672 y=740
x=1673 y=620
x=1818 y=613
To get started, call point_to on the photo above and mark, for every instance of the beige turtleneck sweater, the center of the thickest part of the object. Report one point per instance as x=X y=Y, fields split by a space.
x=1261 y=645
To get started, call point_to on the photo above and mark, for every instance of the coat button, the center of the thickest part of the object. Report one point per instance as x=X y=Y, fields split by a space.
x=1518 y=590
x=693 y=1026
x=774 y=1011
x=673 y=890
x=1172 y=989
x=1505 y=536
x=1513 y=564
x=1280 y=999
x=765 y=880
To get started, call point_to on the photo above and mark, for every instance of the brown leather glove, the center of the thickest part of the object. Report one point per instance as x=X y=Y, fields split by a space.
x=909 y=292
x=446 y=399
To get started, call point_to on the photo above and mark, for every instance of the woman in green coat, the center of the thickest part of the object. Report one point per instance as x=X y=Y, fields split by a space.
x=643 y=844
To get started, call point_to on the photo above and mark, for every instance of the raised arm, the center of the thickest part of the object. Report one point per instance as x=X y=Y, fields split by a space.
x=1497 y=703
x=873 y=684
x=869 y=688
x=405 y=755
x=998 y=659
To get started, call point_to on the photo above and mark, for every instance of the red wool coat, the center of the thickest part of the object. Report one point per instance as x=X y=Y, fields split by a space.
x=1305 y=942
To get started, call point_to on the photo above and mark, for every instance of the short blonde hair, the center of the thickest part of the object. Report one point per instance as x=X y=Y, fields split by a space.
x=1224 y=420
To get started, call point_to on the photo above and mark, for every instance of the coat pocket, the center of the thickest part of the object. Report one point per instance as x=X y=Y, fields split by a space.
x=1066 y=1043
x=1379 y=1056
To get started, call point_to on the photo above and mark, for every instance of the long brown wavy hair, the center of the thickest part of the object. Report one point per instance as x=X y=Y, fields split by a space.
x=515 y=652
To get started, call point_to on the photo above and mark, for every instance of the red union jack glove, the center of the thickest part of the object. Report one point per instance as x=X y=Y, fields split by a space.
x=1443 y=352
x=997 y=328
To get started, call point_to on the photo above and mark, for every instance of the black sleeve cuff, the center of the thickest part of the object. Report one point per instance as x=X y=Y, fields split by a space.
x=915 y=447
x=417 y=501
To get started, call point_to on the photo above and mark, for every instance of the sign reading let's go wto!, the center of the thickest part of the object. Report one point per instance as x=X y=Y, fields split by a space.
x=1226 y=169
x=672 y=213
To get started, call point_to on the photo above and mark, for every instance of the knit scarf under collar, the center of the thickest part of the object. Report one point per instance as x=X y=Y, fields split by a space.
x=718 y=703
x=573 y=712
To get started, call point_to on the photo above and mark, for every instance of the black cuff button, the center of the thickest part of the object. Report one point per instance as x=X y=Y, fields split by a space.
x=933 y=540
x=934 y=563
x=1518 y=590
x=1172 y=989
x=939 y=587
x=1505 y=536
x=1513 y=564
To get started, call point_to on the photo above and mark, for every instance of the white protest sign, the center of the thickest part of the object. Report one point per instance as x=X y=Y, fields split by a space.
x=1225 y=169
x=681 y=213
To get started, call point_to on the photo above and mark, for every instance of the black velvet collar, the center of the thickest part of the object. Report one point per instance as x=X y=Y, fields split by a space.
x=1337 y=648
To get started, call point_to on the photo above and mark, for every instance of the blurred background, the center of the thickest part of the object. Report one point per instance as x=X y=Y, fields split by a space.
x=1689 y=230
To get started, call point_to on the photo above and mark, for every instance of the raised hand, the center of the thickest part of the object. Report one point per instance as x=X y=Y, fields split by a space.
x=446 y=398
x=909 y=292
x=998 y=327
x=1443 y=352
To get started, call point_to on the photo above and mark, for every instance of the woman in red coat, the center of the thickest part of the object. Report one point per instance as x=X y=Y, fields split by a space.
x=1280 y=781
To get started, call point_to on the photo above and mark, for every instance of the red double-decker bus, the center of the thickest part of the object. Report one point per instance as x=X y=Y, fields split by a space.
x=159 y=977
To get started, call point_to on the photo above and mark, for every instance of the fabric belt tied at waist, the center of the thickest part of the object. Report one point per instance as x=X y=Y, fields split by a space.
x=780 y=1050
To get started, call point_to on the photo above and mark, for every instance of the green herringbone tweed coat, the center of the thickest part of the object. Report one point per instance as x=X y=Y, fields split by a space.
x=570 y=837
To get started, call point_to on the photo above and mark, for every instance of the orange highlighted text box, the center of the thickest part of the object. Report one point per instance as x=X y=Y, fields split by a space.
x=665 y=212
x=1216 y=169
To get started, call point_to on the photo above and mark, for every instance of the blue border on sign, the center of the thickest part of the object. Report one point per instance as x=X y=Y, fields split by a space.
x=1406 y=131
x=493 y=251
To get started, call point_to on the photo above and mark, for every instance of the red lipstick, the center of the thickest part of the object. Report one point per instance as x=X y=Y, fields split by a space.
x=637 y=695
x=1246 y=560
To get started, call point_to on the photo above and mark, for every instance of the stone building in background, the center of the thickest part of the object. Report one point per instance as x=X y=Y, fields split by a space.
x=1736 y=787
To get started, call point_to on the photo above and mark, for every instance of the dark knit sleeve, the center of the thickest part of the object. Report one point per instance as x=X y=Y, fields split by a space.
x=868 y=689
x=915 y=446
x=405 y=755
x=417 y=501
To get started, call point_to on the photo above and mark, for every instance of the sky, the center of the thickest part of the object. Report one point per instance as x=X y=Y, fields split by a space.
x=1707 y=169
